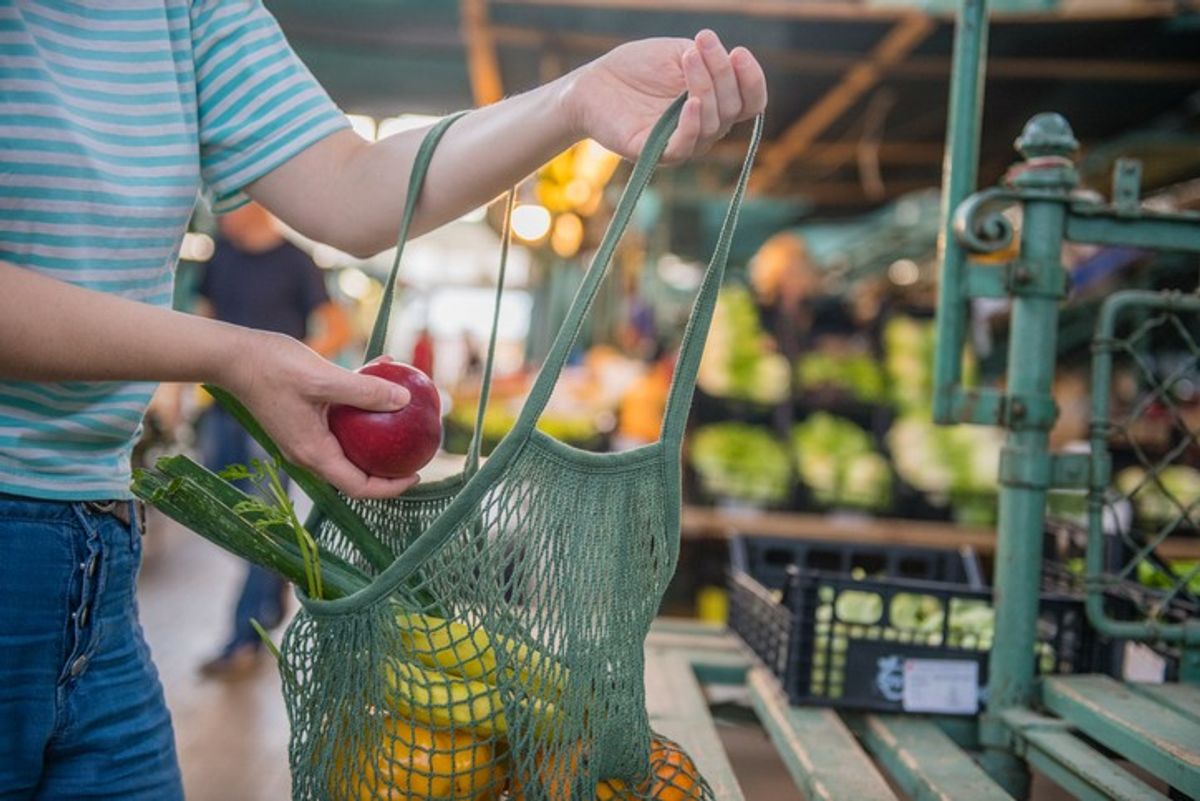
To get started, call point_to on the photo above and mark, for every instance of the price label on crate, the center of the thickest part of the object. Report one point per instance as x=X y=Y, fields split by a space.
x=946 y=686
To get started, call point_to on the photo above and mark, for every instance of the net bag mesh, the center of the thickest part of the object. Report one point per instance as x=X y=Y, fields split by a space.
x=500 y=653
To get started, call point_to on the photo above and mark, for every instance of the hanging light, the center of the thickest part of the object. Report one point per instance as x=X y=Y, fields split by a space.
x=568 y=235
x=904 y=272
x=530 y=222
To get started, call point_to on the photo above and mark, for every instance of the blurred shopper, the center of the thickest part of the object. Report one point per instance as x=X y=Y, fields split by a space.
x=258 y=279
x=113 y=116
x=644 y=403
x=422 y=357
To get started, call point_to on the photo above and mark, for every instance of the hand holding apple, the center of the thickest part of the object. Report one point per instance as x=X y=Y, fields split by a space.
x=391 y=444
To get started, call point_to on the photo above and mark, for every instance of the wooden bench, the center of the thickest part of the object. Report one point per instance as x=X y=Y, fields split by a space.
x=818 y=746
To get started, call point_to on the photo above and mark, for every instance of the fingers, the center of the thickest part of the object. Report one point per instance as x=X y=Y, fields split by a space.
x=700 y=86
x=325 y=457
x=724 y=81
x=366 y=392
x=752 y=83
x=727 y=87
x=683 y=142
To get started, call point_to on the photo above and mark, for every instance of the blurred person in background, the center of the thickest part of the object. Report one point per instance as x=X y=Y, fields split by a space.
x=422 y=354
x=114 y=115
x=258 y=279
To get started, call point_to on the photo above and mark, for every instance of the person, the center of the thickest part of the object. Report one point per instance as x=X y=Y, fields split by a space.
x=422 y=352
x=112 y=116
x=258 y=279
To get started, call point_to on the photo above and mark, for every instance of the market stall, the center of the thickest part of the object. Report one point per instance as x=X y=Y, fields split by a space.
x=932 y=518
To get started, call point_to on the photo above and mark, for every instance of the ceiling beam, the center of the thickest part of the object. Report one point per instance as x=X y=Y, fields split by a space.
x=1076 y=69
x=483 y=66
x=857 y=10
x=901 y=40
x=919 y=67
x=906 y=154
x=852 y=193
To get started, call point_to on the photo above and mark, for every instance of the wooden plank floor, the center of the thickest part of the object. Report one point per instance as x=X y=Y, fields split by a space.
x=231 y=736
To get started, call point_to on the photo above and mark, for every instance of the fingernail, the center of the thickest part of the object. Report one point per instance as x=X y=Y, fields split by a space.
x=708 y=39
x=399 y=396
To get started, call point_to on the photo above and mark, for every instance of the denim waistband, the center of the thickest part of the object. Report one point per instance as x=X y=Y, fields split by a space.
x=14 y=506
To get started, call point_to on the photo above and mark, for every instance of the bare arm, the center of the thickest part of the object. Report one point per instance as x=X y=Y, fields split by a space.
x=54 y=331
x=350 y=193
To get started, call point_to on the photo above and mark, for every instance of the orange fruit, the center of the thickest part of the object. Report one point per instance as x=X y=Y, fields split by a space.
x=411 y=762
x=675 y=777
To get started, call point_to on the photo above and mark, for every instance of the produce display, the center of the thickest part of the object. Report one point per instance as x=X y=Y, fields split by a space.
x=1171 y=493
x=739 y=362
x=957 y=464
x=392 y=444
x=1187 y=570
x=499 y=418
x=912 y=618
x=838 y=462
x=951 y=466
x=855 y=374
x=908 y=347
x=741 y=462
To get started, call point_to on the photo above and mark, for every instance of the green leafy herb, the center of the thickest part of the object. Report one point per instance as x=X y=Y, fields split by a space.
x=272 y=507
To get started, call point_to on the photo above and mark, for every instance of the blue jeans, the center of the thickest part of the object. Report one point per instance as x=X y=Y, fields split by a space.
x=262 y=596
x=81 y=708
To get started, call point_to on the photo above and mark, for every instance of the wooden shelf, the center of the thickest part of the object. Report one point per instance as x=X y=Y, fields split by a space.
x=698 y=522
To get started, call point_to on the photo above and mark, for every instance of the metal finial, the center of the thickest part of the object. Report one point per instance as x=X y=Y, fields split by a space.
x=1047 y=134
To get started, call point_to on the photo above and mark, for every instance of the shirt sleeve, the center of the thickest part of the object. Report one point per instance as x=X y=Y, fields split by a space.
x=257 y=104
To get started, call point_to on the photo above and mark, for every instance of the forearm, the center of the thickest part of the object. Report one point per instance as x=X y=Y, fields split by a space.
x=351 y=194
x=54 y=331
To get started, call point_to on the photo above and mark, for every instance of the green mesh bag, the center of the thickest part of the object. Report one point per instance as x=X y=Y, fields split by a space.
x=488 y=641
x=500 y=653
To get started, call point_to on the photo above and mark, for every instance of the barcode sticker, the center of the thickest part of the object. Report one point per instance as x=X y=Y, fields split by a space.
x=947 y=686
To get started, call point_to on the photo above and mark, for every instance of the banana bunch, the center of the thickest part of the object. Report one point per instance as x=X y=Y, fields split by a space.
x=469 y=652
x=453 y=681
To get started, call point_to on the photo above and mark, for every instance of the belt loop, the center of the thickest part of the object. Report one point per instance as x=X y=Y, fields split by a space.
x=136 y=516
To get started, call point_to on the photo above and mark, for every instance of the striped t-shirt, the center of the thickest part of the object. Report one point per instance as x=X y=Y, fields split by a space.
x=112 y=115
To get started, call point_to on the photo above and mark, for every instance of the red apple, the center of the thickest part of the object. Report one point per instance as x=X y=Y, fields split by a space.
x=392 y=444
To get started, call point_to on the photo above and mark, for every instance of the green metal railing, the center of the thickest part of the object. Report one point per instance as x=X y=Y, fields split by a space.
x=1042 y=187
x=1147 y=342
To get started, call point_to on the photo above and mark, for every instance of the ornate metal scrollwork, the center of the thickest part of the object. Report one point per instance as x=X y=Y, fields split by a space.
x=979 y=221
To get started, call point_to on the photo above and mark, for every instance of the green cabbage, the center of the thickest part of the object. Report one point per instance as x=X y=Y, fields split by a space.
x=740 y=461
x=738 y=363
x=837 y=461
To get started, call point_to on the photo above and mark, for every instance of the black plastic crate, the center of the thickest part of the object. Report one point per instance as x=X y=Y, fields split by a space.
x=1063 y=555
x=767 y=560
x=836 y=640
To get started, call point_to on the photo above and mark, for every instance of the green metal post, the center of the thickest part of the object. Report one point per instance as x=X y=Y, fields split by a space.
x=958 y=181
x=1038 y=285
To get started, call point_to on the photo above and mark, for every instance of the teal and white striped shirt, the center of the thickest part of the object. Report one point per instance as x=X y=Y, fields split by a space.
x=112 y=114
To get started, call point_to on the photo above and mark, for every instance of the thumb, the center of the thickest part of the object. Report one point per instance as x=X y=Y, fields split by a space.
x=369 y=392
